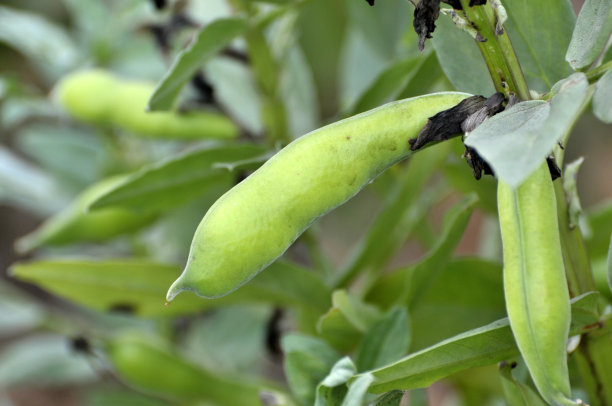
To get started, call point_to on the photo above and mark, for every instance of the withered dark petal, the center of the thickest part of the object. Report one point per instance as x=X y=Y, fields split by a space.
x=477 y=164
x=494 y=104
x=456 y=4
x=477 y=2
x=555 y=171
x=425 y=15
x=370 y=2
x=512 y=100
x=447 y=124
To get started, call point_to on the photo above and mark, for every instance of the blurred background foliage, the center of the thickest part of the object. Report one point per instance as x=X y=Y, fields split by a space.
x=93 y=305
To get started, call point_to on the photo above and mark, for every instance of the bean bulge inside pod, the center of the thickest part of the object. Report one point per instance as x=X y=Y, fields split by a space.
x=256 y=221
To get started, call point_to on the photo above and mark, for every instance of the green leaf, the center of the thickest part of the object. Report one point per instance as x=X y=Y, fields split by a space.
x=387 y=340
x=208 y=41
x=140 y=286
x=104 y=396
x=407 y=284
x=516 y=142
x=602 y=108
x=393 y=398
x=461 y=59
x=478 y=347
x=357 y=390
x=609 y=265
x=517 y=393
x=307 y=361
x=591 y=33
x=27 y=186
x=388 y=84
x=347 y=320
x=332 y=390
x=425 y=79
x=600 y=221
x=541 y=31
x=43 y=359
x=41 y=41
x=138 y=360
x=406 y=206
x=577 y=217
x=178 y=180
x=455 y=304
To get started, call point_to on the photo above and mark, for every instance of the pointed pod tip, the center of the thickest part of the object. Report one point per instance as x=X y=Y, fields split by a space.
x=176 y=288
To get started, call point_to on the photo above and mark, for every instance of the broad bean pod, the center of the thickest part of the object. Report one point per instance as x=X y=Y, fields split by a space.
x=98 y=97
x=537 y=298
x=257 y=220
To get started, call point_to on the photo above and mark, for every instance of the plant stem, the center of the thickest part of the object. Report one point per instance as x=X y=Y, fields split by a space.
x=497 y=51
x=595 y=74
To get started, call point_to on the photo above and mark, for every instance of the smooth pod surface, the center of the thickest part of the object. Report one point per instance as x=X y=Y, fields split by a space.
x=257 y=220
x=97 y=96
x=537 y=298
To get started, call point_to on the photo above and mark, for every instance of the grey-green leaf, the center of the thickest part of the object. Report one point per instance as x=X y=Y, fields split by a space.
x=178 y=180
x=332 y=389
x=208 y=41
x=478 y=347
x=387 y=340
x=307 y=361
x=515 y=142
x=139 y=286
x=517 y=393
x=357 y=390
x=609 y=265
x=591 y=33
x=540 y=32
x=602 y=105
x=460 y=59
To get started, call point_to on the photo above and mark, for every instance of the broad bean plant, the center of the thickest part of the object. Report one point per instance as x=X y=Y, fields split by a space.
x=249 y=202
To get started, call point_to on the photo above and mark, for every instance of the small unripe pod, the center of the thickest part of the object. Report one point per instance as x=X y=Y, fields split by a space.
x=98 y=97
x=75 y=224
x=256 y=221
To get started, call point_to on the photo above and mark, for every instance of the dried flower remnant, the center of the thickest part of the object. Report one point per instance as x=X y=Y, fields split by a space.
x=425 y=15
x=370 y=2
x=447 y=124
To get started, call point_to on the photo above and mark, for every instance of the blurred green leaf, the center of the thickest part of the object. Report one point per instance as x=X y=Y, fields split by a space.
x=478 y=347
x=609 y=265
x=425 y=78
x=347 y=320
x=591 y=33
x=208 y=41
x=26 y=186
x=517 y=141
x=393 y=398
x=540 y=32
x=76 y=155
x=460 y=59
x=237 y=334
x=408 y=284
x=600 y=221
x=110 y=284
x=42 y=41
x=517 y=393
x=332 y=390
x=602 y=108
x=455 y=304
x=43 y=359
x=177 y=180
x=357 y=390
x=307 y=361
x=408 y=203
x=388 y=84
x=387 y=340
x=105 y=396
x=460 y=176
x=18 y=110
x=138 y=360
x=17 y=313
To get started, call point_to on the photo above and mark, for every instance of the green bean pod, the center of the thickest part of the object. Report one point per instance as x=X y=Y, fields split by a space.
x=537 y=298
x=98 y=97
x=75 y=224
x=257 y=220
